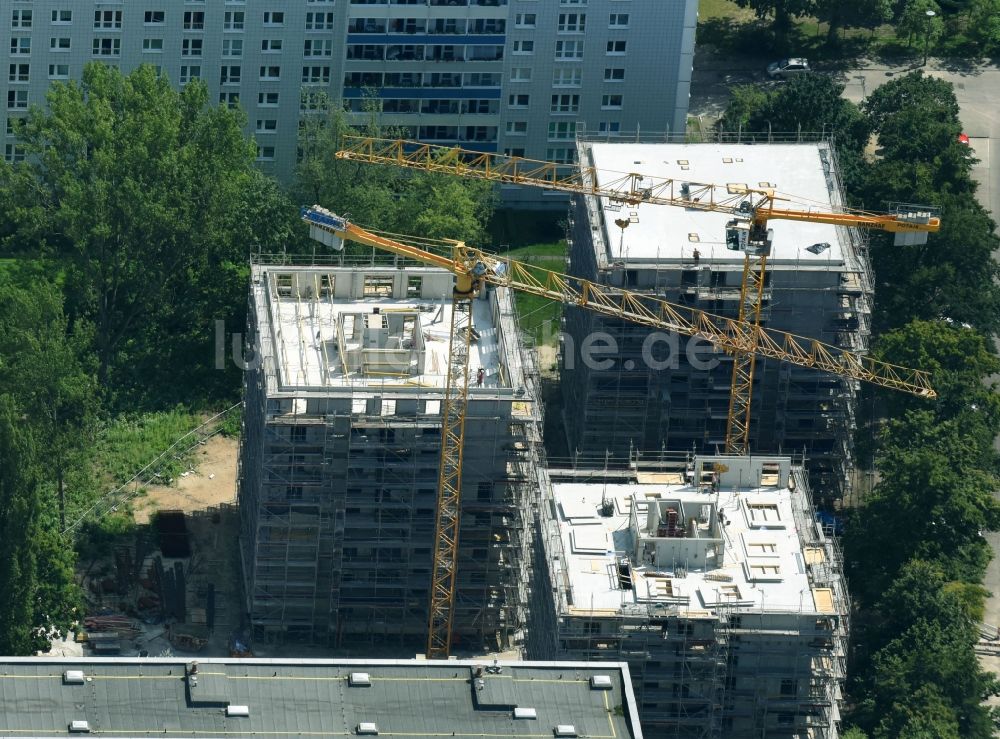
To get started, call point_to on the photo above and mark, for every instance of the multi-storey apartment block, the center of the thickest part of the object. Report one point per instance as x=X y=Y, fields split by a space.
x=521 y=76
x=341 y=450
x=714 y=582
x=654 y=391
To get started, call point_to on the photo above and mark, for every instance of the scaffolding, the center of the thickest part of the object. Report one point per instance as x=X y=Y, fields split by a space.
x=677 y=403
x=339 y=459
x=729 y=668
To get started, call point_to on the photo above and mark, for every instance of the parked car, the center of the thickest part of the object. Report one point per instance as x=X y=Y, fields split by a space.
x=787 y=68
x=963 y=138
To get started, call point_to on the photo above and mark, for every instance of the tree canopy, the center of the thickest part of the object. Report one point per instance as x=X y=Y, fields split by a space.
x=425 y=204
x=150 y=196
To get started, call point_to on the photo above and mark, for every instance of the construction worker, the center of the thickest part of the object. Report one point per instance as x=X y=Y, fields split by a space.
x=480 y=376
x=697 y=257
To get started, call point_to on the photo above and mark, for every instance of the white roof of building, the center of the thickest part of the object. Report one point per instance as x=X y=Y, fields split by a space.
x=663 y=232
x=762 y=564
x=307 y=335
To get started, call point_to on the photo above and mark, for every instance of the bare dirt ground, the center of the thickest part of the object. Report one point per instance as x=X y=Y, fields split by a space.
x=548 y=359
x=211 y=482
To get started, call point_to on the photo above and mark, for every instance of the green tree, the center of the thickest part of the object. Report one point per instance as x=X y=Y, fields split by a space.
x=783 y=11
x=744 y=101
x=984 y=25
x=145 y=192
x=807 y=103
x=912 y=21
x=425 y=204
x=932 y=503
x=49 y=369
x=852 y=14
x=19 y=508
x=915 y=90
x=952 y=276
x=925 y=678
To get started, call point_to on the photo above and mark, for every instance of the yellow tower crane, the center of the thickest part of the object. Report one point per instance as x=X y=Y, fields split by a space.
x=747 y=231
x=473 y=269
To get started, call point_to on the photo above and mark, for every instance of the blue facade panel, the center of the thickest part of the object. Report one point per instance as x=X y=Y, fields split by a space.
x=449 y=39
x=434 y=93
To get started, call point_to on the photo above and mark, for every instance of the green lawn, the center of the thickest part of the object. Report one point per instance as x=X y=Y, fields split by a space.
x=539 y=317
x=723 y=9
x=129 y=443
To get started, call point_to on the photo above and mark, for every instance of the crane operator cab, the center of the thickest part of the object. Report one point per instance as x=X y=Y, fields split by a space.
x=751 y=238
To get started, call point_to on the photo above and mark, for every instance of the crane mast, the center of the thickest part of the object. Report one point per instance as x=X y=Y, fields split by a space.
x=747 y=232
x=473 y=269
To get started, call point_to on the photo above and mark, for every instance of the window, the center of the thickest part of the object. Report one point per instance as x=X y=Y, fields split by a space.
x=560 y=154
x=17 y=99
x=524 y=20
x=58 y=71
x=271 y=46
x=569 y=49
x=611 y=102
x=59 y=44
x=572 y=2
x=274 y=18
x=191 y=47
x=194 y=20
x=518 y=101
x=10 y=126
x=318 y=47
x=568 y=77
x=20 y=45
x=761 y=513
x=154 y=17
x=20 y=19
x=232 y=47
x=520 y=74
x=524 y=47
x=562 y=130
x=789 y=687
x=267 y=99
x=319 y=21
x=105 y=19
x=376 y=286
x=614 y=74
x=786 y=719
x=315 y=75
x=616 y=48
x=516 y=151
x=572 y=23
x=13 y=153
x=267 y=125
x=231 y=99
x=266 y=154
x=152 y=44
x=618 y=20
x=232 y=20
x=609 y=127
x=62 y=17
x=765 y=571
x=414 y=286
x=761 y=548
x=565 y=104
x=189 y=73
x=18 y=72
x=270 y=73
x=107 y=47
x=517 y=128
x=230 y=74
x=311 y=102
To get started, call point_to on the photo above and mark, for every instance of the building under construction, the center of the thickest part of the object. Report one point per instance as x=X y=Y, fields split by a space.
x=648 y=392
x=714 y=582
x=341 y=451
